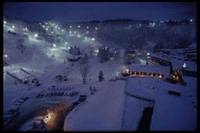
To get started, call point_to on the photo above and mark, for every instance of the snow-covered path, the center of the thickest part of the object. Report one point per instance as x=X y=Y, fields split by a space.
x=108 y=102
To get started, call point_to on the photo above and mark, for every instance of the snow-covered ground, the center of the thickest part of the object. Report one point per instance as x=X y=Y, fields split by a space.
x=116 y=105
x=102 y=111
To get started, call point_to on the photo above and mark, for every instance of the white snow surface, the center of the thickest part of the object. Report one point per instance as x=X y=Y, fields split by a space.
x=101 y=112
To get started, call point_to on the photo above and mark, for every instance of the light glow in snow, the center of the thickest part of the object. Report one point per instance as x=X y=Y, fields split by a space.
x=35 y=35
x=93 y=39
x=184 y=65
x=5 y=56
x=78 y=35
x=160 y=76
x=54 y=45
x=97 y=50
x=4 y=22
x=49 y=118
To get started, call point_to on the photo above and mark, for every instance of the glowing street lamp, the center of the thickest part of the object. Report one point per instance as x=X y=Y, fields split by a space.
x=5 y=56
x=36 y=35
x=54 y=45
x=4 y=22
x=97 y=50
x=126 y=70
x=49 y=117
x=70 y=26
x=160 y=76
x=13 y=26
x=79 y=26
x=93 y=39
x=184 y=65
x=148 y=54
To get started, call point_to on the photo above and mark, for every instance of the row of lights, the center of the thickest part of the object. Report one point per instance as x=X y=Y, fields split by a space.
x=142 y=74
x=87 y=27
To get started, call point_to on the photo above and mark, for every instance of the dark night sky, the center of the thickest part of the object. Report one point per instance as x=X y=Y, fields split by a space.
x=99 y=11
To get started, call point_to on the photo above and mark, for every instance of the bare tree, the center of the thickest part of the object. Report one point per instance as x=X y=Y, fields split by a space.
x=84 y=70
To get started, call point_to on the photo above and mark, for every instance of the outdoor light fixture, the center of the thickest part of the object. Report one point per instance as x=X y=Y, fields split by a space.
x=97 y=51
x=35 y=35
x=5 y=56
x=54 y=45
x=148 y=54
x=160 y=76
x=127 y=70
x=184 y=65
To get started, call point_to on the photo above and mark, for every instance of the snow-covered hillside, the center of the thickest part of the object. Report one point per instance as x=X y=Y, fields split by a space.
x=69 y=77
